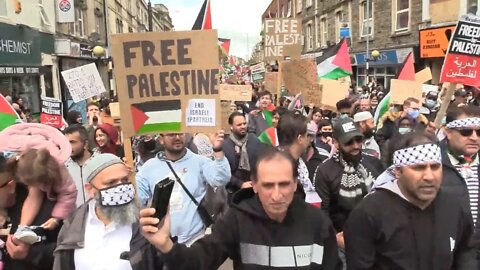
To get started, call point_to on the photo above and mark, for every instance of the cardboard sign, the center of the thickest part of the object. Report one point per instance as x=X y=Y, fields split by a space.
x=332 y=92
x=401 y=90
x=434 y=41
x=282 y=38
x=299 y=75
x=462 y=63
x=235 y=92
x=51 y=114
x=167 y=81
x=271 y=84
x=115 y=113
x=424 y=75
x=258 y=68
x=83 y=82
x=313 y=95
x=226 y=111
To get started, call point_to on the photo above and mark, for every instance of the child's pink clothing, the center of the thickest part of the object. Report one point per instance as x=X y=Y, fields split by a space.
x=65 y=195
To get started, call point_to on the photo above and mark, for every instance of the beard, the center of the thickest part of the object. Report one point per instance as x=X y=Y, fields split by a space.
x=352 y=159
x=122 y=215
x=369 y=133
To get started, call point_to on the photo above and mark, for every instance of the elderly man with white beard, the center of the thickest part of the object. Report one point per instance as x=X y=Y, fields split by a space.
x=100 y=231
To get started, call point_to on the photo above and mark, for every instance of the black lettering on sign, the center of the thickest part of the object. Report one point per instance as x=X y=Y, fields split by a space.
x=213 y=82
x=164 y=84
x=155 y=93
x=182 y=51
x=167 y=51
x=148 y=49
x=175 y=77
x=203 y=82
x=129 y=55
x=184 y=74
x=143 y=86
x=131 y=82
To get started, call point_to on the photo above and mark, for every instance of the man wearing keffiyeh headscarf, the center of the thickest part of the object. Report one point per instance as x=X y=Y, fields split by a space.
x=347 y=177
x=409 y=222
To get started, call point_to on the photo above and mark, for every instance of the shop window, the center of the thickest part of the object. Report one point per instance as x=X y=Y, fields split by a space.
x=3 y=7
x=366 y=19
x=401 y=15
x=26 y=87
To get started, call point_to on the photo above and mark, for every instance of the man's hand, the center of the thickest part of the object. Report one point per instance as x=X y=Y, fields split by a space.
x=247 y=184
x=155 y=233
x=51 y=224
x=217 y=139
x=340 y=240
x=17 y=249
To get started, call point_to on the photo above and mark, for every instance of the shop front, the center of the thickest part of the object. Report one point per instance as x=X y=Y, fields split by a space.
x=21 y=67
x=381 y=69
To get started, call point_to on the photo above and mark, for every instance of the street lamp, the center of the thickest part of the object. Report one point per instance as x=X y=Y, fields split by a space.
x=370 y=58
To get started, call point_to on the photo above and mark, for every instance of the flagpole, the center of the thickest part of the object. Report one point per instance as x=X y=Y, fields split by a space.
x=367 y=57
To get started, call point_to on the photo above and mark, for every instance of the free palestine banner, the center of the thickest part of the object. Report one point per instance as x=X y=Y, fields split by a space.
x=167 y=82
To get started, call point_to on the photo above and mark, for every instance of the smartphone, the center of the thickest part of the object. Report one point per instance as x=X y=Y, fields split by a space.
x=161 y=197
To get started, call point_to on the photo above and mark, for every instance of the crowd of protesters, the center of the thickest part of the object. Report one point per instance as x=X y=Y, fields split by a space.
x=362 y=185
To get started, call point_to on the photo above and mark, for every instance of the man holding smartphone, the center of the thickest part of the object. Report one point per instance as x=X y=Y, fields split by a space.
x=267 y=226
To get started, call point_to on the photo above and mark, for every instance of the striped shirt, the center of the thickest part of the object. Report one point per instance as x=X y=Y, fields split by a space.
x=469 y=172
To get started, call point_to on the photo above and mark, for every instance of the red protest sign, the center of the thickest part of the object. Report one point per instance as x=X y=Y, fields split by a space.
x=463 y=54
x=51 y=112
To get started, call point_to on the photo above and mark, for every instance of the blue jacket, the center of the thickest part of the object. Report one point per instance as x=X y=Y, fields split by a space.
x=196 y=173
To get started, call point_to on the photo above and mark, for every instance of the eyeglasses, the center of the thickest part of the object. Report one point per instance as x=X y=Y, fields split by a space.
x=357 y=139
x=468 y=132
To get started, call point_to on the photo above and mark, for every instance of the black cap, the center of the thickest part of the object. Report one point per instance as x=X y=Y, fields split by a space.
x=345 y=129
x=460 y=93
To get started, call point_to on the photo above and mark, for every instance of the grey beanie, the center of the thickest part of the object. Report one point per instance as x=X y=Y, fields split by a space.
x=98 y=163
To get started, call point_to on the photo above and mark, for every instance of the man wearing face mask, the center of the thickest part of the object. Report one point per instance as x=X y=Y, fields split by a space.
x=431 y=104
x=344 y=109
x=366 y=125
x=389 y=123
x=97 y=234
x=346 y=178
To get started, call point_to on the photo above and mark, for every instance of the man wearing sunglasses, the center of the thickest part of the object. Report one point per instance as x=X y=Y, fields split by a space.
x=343 y=180
x=460 y=158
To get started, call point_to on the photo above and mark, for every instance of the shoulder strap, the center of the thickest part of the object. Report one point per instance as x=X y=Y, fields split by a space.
x=182 y=185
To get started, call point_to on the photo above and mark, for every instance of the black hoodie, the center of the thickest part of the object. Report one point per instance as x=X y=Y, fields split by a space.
x=304 y=240
x=386 y=232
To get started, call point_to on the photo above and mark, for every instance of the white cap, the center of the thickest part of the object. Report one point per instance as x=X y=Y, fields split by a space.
x=362 y=116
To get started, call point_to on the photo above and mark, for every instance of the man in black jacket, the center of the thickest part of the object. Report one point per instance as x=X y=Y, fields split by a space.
x=409 y=223
x=346 y=178
x=460 y=159
x=21 y=256
x=267 y=227
x=241 y=149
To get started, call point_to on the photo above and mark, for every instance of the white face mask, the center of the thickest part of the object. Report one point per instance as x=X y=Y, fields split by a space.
x=117 y=195
x=404 y=130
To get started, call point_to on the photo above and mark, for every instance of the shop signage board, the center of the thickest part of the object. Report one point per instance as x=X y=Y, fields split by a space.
x=167 y=82
x=19 y=46
x=462 y=62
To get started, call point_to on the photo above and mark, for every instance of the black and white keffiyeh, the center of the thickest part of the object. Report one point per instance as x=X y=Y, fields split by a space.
x=465 y=123
x=419 y=154
x=117 y=195
x=356 y=182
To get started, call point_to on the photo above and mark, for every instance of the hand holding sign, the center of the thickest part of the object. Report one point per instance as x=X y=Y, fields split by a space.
x=217 y=140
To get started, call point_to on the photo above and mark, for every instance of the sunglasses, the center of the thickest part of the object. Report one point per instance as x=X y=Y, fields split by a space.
x=468 y=132
x=356 y=139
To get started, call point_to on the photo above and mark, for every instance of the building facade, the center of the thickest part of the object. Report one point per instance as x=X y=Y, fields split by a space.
x=27 y=51
x=161 y=12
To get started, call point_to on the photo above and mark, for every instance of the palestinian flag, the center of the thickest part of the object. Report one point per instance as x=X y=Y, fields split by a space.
x=204 y=19
x=269 y=137
x=267 y=115
x=224 y=45
x=407 y=73
x=8 y=115
x=157 y=116
x=335 y=62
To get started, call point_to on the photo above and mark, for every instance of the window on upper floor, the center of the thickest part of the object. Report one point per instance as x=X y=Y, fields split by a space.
x=308 y=3
x=309 y=36
x=299 y=5
x=289 y=8
x=3 y=7
x=366 y=19
x=401 y=15
x=119 y=26
x=339 y=23
x=323 y=31
x=78 y=27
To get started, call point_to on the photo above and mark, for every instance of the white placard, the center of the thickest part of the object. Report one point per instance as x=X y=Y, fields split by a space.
x=83 y=82
x=65 y=11
x=201 y=113
x=429 y=88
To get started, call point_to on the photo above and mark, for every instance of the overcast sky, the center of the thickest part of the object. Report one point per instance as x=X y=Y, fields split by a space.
x=234 y=19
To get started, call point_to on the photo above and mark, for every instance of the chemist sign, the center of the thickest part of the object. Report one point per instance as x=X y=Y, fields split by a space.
x=462 y=63
x=167 y=81
x=282 y=38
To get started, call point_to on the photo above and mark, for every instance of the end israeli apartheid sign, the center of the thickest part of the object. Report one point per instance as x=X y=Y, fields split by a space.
x=282 y=38
x=167 y=81
x=462 y=62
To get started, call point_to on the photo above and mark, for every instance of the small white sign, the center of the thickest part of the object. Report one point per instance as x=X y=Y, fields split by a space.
x=65 y=11
x=83 y=82
x=201 y=113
